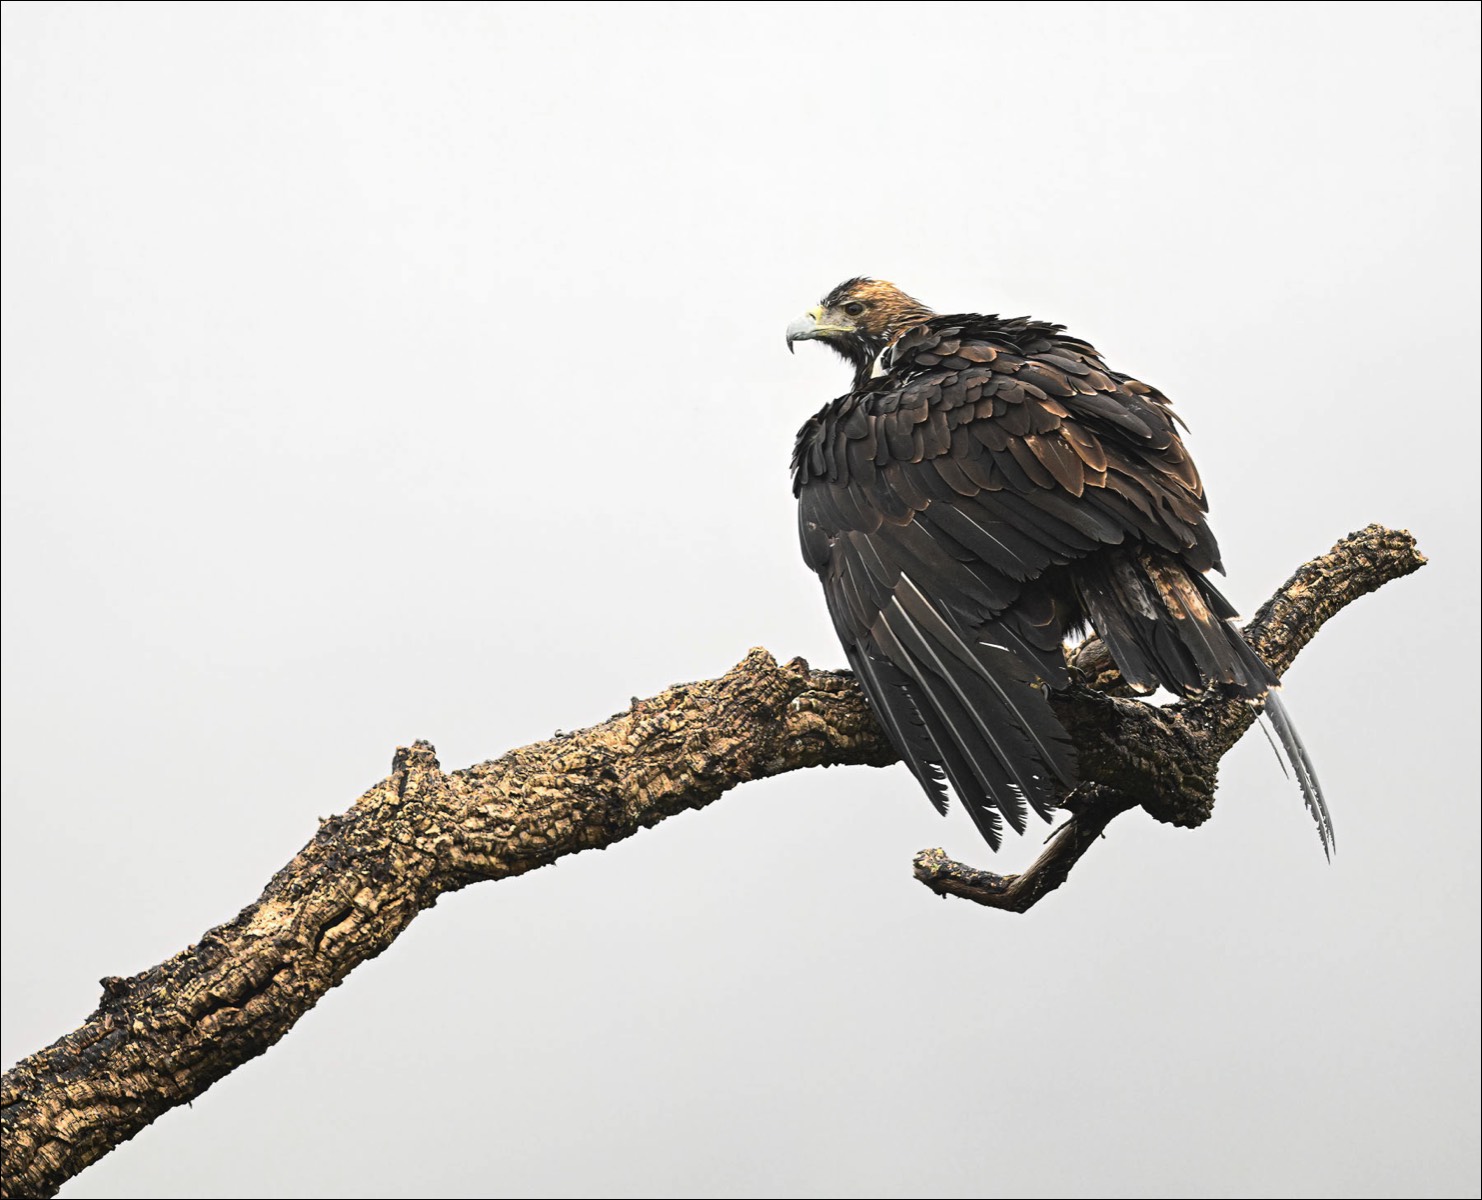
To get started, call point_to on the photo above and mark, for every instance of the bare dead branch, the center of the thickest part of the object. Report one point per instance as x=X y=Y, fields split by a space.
x=160 y=1038
x=1095 y=807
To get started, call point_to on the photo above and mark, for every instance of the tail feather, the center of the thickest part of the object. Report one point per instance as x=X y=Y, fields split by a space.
x=1296 y=753
x=1166 y=624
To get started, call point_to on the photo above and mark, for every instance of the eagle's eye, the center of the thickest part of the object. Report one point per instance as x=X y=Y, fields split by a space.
x=854 y=308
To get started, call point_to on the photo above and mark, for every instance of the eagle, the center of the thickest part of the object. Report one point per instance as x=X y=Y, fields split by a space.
x=988 y=489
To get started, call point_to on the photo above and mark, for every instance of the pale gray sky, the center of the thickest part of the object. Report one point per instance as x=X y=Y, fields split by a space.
x=382 y=371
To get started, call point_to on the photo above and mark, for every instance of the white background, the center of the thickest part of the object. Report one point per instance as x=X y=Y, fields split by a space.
x=381 y=371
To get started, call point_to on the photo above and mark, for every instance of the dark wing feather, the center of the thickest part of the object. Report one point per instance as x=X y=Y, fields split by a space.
x=889 y=690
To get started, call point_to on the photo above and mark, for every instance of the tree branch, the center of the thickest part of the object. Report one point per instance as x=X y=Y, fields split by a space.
x=1094 y=808
x=162 y=1037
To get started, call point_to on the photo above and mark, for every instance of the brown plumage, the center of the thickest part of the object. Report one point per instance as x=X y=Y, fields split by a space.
x=989 y=487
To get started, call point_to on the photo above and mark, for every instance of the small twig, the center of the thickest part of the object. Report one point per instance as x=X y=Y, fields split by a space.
x=1018 y=893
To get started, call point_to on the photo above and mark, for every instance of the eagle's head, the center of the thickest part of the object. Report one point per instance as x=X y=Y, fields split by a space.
x=859 y=319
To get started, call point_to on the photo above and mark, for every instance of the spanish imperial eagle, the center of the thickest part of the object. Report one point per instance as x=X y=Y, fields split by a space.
x=988 y=488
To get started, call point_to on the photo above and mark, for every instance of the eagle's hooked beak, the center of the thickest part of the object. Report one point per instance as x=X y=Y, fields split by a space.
x=806 y=328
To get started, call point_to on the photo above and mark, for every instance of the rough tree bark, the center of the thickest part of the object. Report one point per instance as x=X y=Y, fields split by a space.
x=162 y=1037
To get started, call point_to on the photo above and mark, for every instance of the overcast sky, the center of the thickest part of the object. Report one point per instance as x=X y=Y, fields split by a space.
x=383 y=371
